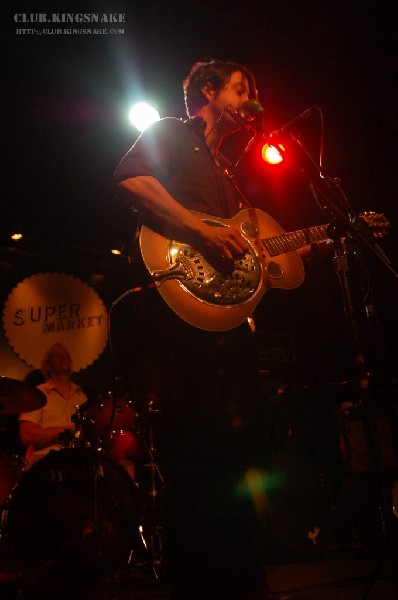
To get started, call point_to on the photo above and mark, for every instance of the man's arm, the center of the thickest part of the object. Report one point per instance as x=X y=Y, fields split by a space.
x=159 y=211
x=40 y=437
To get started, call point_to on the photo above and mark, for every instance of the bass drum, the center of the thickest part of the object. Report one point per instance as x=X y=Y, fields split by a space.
x=74 y=509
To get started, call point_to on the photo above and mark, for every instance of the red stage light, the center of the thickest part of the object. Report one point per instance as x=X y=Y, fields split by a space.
x=272 y=154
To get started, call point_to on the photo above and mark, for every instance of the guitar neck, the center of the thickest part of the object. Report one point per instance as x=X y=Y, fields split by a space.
x=279 y=244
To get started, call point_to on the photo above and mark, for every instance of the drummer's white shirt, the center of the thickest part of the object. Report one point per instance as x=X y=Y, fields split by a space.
x=57 y=411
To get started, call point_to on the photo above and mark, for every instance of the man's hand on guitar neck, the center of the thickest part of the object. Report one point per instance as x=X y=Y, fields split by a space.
x=312 y=251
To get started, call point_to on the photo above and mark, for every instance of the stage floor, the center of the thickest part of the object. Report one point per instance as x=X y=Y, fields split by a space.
x=340 y=578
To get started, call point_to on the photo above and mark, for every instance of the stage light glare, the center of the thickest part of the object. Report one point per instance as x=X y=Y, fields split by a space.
x=16 y=236
x=142 y=115
x=272 y=154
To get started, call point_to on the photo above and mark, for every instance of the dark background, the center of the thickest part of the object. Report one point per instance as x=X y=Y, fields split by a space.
x=65 y=101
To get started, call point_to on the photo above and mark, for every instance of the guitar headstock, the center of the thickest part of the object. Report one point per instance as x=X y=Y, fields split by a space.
x=377 y=222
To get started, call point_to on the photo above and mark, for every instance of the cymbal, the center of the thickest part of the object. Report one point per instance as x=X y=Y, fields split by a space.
x=17 y=396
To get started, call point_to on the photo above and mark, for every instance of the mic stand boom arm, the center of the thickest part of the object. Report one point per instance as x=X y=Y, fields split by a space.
x=338 y=208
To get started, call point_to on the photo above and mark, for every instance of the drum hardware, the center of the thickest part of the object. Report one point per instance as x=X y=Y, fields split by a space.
x=75 y=439
x=109 y=425
x=151 y=528
x=11 y=468
x=394 y=494
x=12 y=463
x=17 y=397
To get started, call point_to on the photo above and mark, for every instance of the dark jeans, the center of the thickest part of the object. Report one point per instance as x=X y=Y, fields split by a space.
x=212 y=443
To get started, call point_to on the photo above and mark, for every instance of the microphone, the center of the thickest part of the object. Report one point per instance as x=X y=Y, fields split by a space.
x=248 y=111
x=251 y=109
x=293 y=122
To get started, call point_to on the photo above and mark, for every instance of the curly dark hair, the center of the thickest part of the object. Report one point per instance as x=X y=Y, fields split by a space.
x=217 y=74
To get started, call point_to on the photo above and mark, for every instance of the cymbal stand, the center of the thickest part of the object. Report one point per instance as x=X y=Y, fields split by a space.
x=151 y=527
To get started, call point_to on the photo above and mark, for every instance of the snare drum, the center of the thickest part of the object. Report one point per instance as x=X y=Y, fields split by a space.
x=74 y=507
x=110 y=424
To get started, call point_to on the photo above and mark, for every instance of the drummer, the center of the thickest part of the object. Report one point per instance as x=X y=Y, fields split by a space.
x=51 y=427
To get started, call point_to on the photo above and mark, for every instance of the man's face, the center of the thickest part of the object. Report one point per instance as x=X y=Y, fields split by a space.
x=59 y=360
x=233 y=94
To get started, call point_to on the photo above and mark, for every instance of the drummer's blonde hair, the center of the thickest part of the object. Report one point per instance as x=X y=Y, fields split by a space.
x=47 y=356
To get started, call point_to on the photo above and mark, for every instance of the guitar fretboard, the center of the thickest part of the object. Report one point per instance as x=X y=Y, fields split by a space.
x=279 y=244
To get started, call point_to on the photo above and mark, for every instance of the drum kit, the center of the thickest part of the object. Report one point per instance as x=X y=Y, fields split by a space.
x=81 y=506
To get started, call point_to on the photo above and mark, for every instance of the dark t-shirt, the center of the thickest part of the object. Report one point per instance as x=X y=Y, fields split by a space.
x=175 y=153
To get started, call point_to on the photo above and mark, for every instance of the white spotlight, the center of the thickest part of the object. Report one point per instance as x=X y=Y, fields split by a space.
x=142 y=115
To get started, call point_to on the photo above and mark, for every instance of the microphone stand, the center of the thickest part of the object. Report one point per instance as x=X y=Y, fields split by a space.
x=348 y=227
